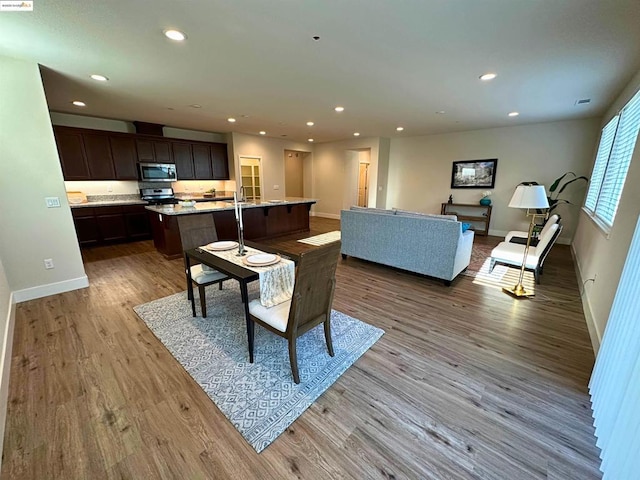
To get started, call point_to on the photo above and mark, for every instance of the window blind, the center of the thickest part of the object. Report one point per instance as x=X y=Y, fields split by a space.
x=600 y=167
x=610 y=172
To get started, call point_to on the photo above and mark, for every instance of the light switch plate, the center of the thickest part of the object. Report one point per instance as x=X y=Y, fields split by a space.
x=276 y=187
x=52 y=202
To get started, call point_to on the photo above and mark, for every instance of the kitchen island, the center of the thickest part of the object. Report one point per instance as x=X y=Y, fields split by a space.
x=262 y=220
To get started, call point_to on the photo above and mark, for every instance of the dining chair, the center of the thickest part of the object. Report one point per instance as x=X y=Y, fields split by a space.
x=310 y=304
x=196 y=231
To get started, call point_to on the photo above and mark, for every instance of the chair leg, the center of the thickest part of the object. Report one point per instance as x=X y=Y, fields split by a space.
x=492 y=264
x=203 y=301
x=220 y=285
x=536 y=274
x=293 y=359
x=327 y=336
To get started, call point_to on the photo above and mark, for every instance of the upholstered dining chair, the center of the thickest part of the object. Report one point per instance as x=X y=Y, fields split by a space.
x=310 y=304
x=195 y=231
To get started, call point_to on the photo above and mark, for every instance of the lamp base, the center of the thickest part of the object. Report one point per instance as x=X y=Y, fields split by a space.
x=518 y=291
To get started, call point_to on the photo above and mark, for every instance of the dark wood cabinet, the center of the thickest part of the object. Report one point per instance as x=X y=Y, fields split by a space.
x=136 y=219
x=111 y=224
x=72 y=155
x=99 y=157
x=86 y=226
x=183 y=158
x=202 y=161
x=125 y=157
x=154 y=151
x=219 y=161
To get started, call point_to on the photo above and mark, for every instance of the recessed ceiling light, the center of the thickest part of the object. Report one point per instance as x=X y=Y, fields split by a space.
x=514 y=114
x=339 y=109
x=440 y=112
x=356 y=134
x=100 y=78
x=310 y=124
x=78 y=103
x=262 y=132
x=488 y=76
x=399 y=129
x=231 y=120
x=195 y=105
x=310 y=139
x=176 y=35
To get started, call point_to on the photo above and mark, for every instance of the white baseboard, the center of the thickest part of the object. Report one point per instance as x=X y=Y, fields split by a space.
x=50 y=289
x=5 y=366
x=594 y=334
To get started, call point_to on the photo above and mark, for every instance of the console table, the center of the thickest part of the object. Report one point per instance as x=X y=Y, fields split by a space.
x=477 y=215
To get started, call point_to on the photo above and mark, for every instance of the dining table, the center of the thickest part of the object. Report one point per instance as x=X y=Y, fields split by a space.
x=242 y=274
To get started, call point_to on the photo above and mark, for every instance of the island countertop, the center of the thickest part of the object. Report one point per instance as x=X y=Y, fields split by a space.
x=215 y=206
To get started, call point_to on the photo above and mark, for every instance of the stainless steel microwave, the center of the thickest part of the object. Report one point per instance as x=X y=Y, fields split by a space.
x=158 y=172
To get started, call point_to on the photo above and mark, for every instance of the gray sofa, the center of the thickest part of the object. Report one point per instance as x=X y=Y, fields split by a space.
x=431 y=245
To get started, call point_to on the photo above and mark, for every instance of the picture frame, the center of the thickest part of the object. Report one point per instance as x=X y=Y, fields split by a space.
x=474 y=173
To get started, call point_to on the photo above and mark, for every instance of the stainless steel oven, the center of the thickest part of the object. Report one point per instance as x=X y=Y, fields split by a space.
x=157 y=172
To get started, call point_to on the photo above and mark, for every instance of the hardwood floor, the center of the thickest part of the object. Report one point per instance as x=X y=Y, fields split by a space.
x=467 y=382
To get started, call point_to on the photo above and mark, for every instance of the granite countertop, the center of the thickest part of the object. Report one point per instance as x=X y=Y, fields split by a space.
x=204 y=207
x=199 y=197
x=110 y=201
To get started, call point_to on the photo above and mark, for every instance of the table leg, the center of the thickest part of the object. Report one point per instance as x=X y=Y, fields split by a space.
x=250 y=325
x=187 y=262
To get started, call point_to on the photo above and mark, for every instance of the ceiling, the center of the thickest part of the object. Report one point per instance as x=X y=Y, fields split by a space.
x=389 y=63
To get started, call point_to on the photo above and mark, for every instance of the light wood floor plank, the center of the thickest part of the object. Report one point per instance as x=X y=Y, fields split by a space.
x=466 y=383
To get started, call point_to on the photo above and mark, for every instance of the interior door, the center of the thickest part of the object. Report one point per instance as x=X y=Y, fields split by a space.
x=363 y=185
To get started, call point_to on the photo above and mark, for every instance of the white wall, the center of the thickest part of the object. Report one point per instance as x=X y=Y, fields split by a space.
x=31 y=171
x=271 y=150
x=420 y=167
x=602 y=256
x=332 y=164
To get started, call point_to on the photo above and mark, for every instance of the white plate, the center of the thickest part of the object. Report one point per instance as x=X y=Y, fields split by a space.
x=261 y=259
x=224 y=245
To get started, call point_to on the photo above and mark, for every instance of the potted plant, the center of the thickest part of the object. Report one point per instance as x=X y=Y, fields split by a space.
x=558 y=186
x=485 y=200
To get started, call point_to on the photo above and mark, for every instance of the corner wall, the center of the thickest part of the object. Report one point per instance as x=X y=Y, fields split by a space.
x=7 y=319
x=31 y=171
x=602 y=256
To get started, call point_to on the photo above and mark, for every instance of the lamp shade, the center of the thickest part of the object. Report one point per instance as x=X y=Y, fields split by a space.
x=529 y=196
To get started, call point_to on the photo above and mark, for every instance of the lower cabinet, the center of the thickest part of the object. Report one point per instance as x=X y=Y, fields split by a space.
x=106 y=225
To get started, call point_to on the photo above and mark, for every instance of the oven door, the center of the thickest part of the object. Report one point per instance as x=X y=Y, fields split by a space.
x=158 y=172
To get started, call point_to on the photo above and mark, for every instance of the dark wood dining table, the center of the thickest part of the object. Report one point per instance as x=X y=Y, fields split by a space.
x=243 y=275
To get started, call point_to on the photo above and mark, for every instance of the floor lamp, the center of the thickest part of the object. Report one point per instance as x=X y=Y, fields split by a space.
x=529 y=197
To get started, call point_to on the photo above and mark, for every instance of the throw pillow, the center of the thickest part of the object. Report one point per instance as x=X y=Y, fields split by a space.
x=465 y=227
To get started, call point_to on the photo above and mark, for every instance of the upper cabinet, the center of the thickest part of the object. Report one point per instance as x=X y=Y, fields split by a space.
x=100 y=155
x=72 y=155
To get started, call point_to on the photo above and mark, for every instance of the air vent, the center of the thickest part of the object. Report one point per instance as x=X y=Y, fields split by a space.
x=583 y=101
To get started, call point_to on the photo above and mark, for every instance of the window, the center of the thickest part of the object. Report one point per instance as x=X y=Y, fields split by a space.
x=617 y=142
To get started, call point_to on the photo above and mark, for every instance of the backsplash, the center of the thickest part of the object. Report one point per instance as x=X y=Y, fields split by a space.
x=113 y=198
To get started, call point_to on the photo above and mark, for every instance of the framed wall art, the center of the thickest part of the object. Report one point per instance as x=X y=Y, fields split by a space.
x=474 y=173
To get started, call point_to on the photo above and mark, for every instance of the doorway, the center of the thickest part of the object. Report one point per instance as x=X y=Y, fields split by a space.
x=251 y=178
x=363 y=184
x=297 y=173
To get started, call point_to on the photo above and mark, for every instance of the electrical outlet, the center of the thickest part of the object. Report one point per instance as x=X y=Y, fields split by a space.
x=48 y=263
x=276 y=187
x=52 y=202
x=109 y=188
x=594 y=278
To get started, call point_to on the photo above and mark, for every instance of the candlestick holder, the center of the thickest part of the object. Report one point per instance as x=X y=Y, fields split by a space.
x=241 y=250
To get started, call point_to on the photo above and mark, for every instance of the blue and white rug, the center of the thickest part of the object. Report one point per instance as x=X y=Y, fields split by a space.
x=260 y=399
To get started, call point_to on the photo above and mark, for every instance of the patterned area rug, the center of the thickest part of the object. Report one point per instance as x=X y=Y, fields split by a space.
x=322 y=239
x=261 y=399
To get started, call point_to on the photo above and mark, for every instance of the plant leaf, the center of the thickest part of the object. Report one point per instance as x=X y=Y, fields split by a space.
x=571 y=181
x=555 y=184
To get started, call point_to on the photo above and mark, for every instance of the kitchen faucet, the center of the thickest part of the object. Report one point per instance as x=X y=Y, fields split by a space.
x=242 y=197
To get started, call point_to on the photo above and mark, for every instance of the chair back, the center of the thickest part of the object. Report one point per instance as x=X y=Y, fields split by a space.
x=546 y=238
x=546 y=248
x=196 y=230
x=553 y=219
x=314 y=287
